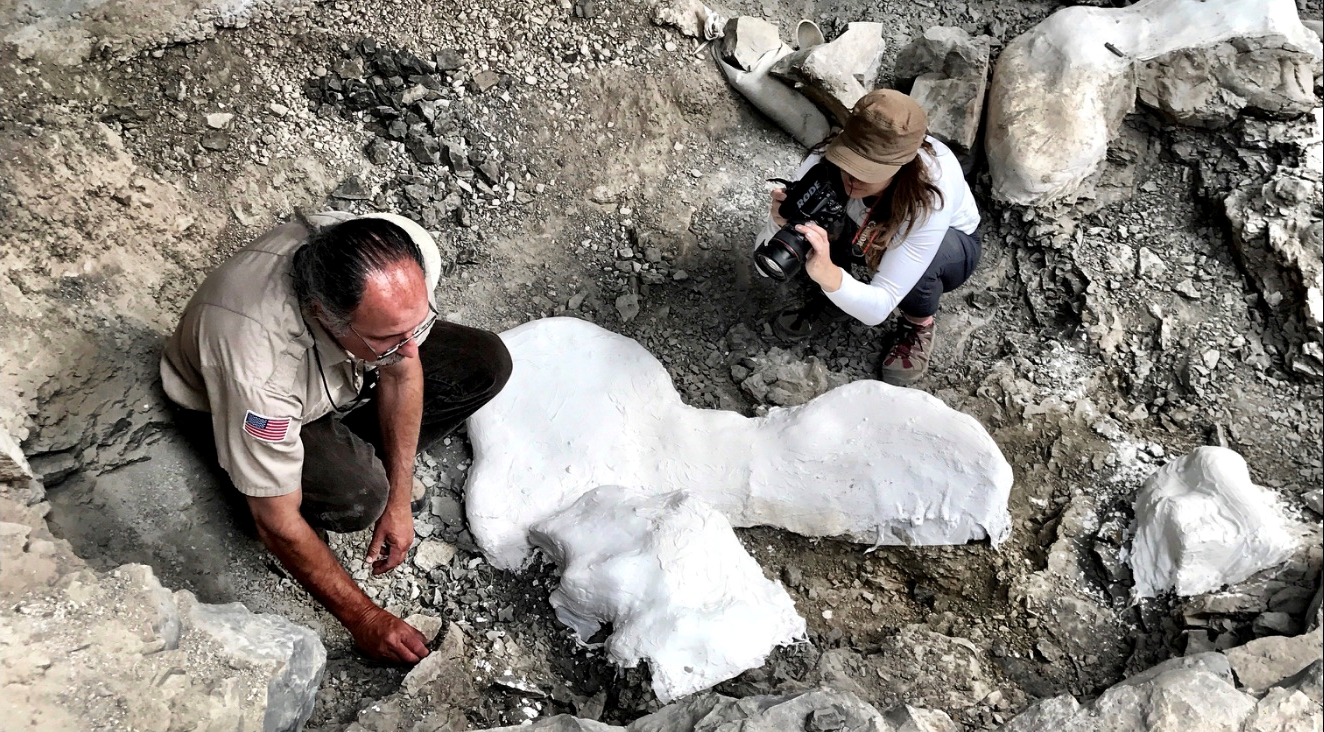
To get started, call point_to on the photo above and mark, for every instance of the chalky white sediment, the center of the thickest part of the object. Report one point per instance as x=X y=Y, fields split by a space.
x=1201 y=524
x=585 y=407
x=673 y=581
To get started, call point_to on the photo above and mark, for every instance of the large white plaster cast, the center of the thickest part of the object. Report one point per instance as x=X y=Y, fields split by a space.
x=586 y=408
x=1201 y=524
x=1059 y=94
x=676 y=585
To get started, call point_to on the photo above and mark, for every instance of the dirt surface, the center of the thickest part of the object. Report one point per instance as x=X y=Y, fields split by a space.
x=612 y=160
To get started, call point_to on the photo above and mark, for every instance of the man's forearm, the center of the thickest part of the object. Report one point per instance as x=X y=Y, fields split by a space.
x=400 y=410
x=313 y=565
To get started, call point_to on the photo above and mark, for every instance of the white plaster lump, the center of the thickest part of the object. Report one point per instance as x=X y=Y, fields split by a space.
x=1059 y=94
x=586 y=408
x=1201 y=524
x=673 y=581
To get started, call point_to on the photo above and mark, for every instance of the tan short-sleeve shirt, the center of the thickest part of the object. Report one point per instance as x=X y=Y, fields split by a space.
x=244 y=352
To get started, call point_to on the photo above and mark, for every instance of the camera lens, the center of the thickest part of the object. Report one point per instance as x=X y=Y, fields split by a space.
x=768 y=266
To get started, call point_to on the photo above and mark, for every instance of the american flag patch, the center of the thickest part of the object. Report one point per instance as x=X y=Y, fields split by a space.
x=267 y=429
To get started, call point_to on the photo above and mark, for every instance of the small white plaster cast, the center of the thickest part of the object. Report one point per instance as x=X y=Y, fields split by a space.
x=586 y=408
x=1201 y=524
x=670 y=576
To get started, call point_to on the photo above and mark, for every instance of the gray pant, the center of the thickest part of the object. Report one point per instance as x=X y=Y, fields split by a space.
x=344 y=482
x=955 y=261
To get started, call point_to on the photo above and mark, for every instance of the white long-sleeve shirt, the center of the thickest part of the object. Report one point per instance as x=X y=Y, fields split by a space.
x=901 y=265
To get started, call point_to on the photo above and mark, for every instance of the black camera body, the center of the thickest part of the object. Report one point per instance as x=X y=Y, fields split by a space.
x=819 y=197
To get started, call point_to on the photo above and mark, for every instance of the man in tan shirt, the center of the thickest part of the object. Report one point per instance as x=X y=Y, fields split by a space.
x=315 y=359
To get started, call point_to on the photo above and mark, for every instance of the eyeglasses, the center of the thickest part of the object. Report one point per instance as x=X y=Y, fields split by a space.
x=418 y=334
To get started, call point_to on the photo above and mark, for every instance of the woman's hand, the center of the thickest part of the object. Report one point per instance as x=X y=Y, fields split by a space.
x=819 y=266
x=778 y=195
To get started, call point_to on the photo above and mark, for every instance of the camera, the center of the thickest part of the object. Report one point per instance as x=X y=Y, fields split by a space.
x=819 y=197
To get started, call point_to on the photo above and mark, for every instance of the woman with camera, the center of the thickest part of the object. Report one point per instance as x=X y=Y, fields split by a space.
x=909 y=219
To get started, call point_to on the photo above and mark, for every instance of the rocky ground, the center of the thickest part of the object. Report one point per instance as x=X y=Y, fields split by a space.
x=578 y=159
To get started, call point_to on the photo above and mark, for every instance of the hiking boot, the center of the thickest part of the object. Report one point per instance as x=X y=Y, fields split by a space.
x=793 y=325
x=907 y=357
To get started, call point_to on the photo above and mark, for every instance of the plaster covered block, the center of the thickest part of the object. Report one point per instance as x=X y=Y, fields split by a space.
x=677 y=587
x=745 y=54
x=1202 y=524
x=585 y=408
x=1061 y=89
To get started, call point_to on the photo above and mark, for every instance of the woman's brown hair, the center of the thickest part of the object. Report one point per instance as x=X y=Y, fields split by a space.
x=910 y=198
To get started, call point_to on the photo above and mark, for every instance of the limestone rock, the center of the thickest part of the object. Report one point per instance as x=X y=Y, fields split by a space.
x=780 y=379
x=836 y=74
x=746 y=40
x=1277 y=232
x=1060 y=90
x=1284 y=710
x=916 y=666
x=1049 y=715
x=818 y=709
x=429 y=625
x=909 y=719
x=673 y=581
x=1267 y=661
x=1211 y=86
x=931 y=475
x=224 y=664
x=686 y=16
x=431 y=554
x=947 y=71
x=443 y=665
x=290 y=656
x=1201 y=524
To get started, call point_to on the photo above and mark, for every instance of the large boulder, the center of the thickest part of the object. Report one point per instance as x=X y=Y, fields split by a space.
x=1060 y=91
x=946 y=70
x=1202 y=524
x=83 y=649
x=586 y=408
x=1265 y=662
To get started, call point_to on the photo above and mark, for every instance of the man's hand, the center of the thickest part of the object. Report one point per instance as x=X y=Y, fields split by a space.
x=778 y=195
x=383 y=635
x=819 y=266
x=391 y=538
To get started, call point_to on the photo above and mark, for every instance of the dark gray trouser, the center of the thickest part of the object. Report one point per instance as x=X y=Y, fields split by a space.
x=344 y=481
x=956 y=259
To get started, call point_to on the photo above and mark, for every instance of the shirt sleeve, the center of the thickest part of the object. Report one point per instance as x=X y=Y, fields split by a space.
x=256 y=427
x=898 y=271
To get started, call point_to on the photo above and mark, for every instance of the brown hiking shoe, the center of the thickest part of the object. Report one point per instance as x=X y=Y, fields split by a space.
x=907 y=357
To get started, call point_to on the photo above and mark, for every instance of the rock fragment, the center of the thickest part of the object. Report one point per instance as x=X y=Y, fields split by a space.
x=947 y=71
x=836 y=74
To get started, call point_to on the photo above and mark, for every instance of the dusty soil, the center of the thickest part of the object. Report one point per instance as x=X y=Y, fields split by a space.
x=626 y=165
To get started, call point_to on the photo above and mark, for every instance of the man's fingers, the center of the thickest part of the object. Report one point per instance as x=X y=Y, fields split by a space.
x=416 y=644
x=404 y=654
x=375 y=546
